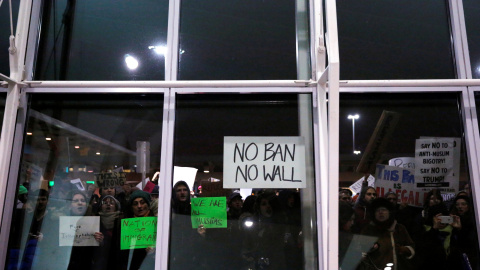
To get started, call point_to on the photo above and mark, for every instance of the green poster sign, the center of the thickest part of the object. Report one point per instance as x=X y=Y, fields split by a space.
x=138 y=232
x=211 y=212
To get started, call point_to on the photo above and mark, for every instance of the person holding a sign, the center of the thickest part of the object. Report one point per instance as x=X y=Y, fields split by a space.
x=393 y=245
x=108 y=255
x=140 y=207
x=81 y=256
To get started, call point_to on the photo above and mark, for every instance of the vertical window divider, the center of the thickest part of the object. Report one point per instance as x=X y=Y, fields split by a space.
x=171 y=58
x=472 y=141
x=166 y=174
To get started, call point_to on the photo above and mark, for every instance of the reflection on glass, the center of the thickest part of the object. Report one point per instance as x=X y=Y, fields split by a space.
x=87 y=40
x=5 y=32
x=394 y=40
x=244 y=226
x=3 y=98
x=237 y=40
x=471 y=8
x=80 y=183
x=412 y=209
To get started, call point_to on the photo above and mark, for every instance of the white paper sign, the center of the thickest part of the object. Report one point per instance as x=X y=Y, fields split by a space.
x=403 y=162
x=401 y=181
x=78 y=231
x=437 y=164
x=264 y=162
x=357 y=186
x=186 y=174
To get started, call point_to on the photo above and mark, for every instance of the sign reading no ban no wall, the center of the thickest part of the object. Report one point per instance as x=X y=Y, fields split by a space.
x=264 y=162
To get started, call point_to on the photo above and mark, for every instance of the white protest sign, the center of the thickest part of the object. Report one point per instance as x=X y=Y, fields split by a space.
x=186 y=174
x=78 y=231
x=401 y=181
x=403 y=162
x=264 y=162
x=357 y=186
x=78 y=183
x=437 y=164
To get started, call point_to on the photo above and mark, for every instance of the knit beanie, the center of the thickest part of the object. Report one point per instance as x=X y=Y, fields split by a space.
x=22 y=190
x=140 y=194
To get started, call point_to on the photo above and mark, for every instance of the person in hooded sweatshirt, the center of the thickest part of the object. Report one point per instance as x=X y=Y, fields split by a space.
x=185 y=241
x=393 y=245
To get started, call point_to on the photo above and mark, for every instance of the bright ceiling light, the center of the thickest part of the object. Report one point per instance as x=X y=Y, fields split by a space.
x=48 y=139
x=76 y=146
x=160 y=50
x=29 y=133
x=132 y=62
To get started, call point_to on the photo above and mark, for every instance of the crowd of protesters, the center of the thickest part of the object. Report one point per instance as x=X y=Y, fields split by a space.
x=263 y=230
x=387 y=233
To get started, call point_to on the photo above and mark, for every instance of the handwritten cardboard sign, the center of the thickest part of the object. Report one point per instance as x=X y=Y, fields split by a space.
x=438 y=163
x=78 y=231
x=110 y=179
x=211 y=212
x=138 y=232
x=401 y=181
x=264 y=162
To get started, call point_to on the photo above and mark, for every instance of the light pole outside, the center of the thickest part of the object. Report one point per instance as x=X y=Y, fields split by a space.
x=353 y=118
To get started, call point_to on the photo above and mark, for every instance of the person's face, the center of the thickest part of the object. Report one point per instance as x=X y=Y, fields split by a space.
x=392 y=199
x=108 y=205
x=108 y=191
x=127 y=188
x=236 y=203
x=370 y=195
x=91 y=188
x=78 y=205
x=349 y=224
x=345 y=197
x=467 y=189
x=139 y=207
x=290 y=201
x=181 y=192
x=462 y=206
x=42 y=202
x=434 y=200
x=266 y=208
x=382 y=214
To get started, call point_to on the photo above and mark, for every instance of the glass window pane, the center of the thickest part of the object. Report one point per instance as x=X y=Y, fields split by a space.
x=267 y=229
x=471 y=9
x=3 y=98
x=106 y=40
x=80 y=171
x=237 y=40
x=419 y=175
x=5 y=33
x=393 y=39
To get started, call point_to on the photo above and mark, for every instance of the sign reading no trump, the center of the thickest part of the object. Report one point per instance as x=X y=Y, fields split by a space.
x=264 y=162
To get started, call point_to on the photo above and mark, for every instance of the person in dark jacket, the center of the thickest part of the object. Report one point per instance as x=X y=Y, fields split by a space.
x=142 y=258
x=393 y=245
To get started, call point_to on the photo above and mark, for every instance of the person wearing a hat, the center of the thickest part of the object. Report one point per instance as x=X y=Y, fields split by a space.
x=22 y=197
x=393 y=244
x=139 y=204
x=235 y=204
